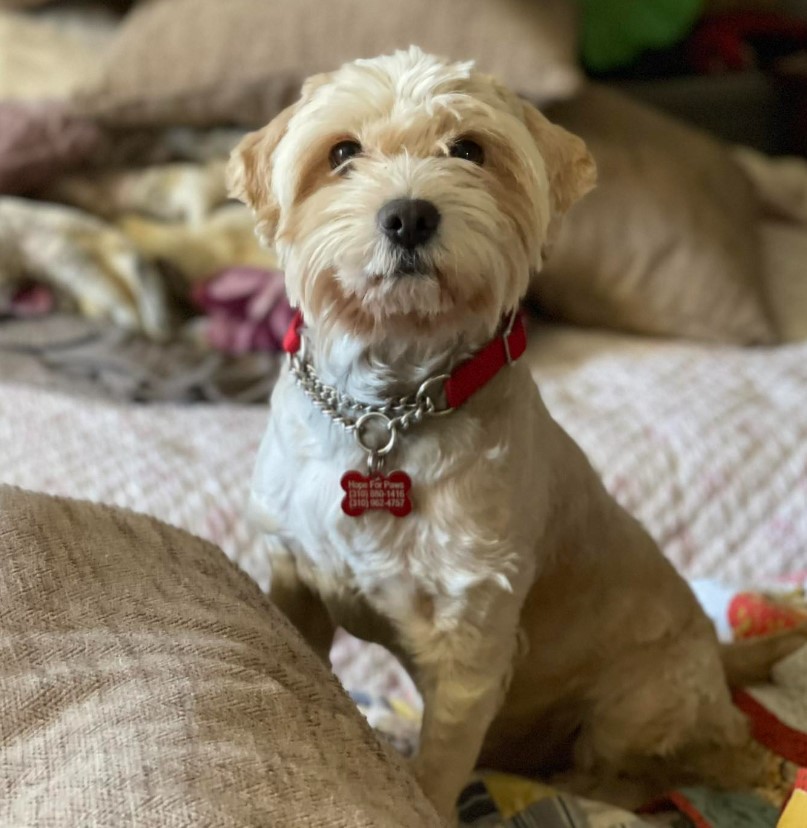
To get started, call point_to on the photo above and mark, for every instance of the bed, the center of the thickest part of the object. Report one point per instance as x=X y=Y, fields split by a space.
x=126 y=379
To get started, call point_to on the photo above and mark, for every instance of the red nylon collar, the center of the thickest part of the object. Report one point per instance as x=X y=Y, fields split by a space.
x=469 y=376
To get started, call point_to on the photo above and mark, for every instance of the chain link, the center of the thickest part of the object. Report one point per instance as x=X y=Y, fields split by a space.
x=397 y=415
x=401 y=413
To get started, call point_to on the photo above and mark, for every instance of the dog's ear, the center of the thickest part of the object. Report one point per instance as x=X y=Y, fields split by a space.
x=249 y=171
x=569 y=166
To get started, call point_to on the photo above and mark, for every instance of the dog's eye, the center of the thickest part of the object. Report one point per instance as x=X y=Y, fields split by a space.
x=344 y=151
x=468 y=150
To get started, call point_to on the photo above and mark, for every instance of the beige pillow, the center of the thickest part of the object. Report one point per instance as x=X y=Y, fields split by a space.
x=785 y=251
x=38 y=61
x=146 y=681
x=668 y=242
x=781 y=187
x=205 y=61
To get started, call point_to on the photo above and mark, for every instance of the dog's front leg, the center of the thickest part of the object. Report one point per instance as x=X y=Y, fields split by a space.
x=463 y=676
x=301 y=606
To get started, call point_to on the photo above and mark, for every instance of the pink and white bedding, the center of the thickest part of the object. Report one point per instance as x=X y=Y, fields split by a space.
x=707 y=445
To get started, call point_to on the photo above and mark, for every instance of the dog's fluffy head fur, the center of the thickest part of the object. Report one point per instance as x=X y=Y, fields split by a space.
x=406 y=111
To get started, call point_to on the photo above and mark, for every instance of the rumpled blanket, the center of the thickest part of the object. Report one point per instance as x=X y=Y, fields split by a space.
x=49 y=152
x=84 y=259
x=197 y=251
x=177 y=191
x=92 y=359
x=127 y=244
x=39 y=140
x=246 y=310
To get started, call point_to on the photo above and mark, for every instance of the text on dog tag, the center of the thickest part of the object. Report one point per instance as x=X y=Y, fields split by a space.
x=382 y=492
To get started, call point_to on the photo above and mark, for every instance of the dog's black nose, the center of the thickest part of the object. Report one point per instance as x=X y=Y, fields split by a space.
x=408 y=222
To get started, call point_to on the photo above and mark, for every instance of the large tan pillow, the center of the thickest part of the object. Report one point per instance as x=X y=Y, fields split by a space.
x=207 y=61
x=781 y=186
x=145 y=681
x=668 y=243
x=39 y=61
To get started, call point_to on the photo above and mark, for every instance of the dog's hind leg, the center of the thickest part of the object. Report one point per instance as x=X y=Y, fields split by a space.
x=666 y=718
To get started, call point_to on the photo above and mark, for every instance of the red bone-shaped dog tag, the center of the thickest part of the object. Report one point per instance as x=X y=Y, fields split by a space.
x=383 y=492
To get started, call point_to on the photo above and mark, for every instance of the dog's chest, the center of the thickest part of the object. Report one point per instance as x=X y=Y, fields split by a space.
x=467 y=491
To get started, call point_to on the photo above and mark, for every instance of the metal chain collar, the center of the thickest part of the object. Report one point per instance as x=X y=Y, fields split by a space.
x=397 y=415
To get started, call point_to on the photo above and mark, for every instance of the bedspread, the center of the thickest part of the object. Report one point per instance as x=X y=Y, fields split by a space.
x=707 y=445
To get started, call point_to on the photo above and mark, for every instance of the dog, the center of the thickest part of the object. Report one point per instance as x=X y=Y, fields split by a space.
x=415 y=489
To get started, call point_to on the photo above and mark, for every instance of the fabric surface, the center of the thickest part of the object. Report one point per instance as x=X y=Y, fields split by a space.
x=668 y=241
x=707 y=445
x=91 y=263
x=146 y=681
x=197 y=251
x=179 y=191
x=781 y=187
x=88 y=358
x=175 y=213
x=784 y=248
x=246 y=310
x=43 y=61
x=38 y=141
x=21 y=4
x=203 y=62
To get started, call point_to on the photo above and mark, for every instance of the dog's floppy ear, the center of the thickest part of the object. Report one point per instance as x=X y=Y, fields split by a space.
x=249 y=171
x=569 y=166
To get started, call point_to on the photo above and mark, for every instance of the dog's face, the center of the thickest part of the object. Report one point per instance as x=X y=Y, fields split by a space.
x=408 y=195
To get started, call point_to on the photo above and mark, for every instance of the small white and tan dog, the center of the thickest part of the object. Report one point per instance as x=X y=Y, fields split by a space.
x=410 y=199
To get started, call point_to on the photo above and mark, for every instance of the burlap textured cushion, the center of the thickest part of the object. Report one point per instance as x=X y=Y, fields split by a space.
x=668 y=242
x=145 y=681
x=204 y=61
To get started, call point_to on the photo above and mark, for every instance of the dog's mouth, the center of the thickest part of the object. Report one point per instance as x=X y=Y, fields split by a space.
x=390 y=265
x=408 y=265
x=411 y=263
